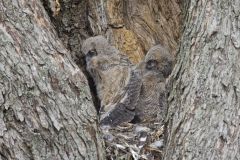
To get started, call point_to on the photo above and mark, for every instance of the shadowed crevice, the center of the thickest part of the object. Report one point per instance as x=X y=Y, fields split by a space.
x=92 y=86
x=70 y=35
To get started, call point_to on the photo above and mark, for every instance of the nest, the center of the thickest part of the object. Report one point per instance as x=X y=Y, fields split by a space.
x=134 y=142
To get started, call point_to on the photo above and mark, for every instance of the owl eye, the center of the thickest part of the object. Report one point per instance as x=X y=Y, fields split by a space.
x=92 y=53
x=151 y=64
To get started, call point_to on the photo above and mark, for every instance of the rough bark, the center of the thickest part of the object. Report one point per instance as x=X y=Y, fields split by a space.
x=46 y=110
x=137 y=25
x=132 y=26
x=204 y=111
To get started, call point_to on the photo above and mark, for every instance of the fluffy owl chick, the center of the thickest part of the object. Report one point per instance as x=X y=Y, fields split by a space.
x=124 y=104
x=145 y=97
x=108 y=67
x=158 y=66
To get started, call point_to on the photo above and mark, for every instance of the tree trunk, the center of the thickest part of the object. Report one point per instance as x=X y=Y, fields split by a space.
x=46 y=110
x=132 y=26
x=204 y=111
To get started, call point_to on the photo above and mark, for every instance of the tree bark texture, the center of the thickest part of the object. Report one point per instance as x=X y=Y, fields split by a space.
x=137 y=25
x=132 y=26
x=46 y=110
x=204 y=111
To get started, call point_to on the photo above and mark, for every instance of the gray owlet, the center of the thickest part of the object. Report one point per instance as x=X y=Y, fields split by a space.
x=144 y=98
x=108 y=67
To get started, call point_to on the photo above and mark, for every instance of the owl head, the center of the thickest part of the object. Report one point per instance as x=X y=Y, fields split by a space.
x=97 y=53
x=159 y=60
x=101 y=56
x=97 y=46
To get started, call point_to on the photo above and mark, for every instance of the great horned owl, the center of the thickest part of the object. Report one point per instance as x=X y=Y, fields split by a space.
x=158 y=65
x=108 y=67
x=145 y=97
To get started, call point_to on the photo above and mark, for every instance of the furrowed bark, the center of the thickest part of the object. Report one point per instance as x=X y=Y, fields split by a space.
x=132 y=26
x=204 y=111
x=46 y=110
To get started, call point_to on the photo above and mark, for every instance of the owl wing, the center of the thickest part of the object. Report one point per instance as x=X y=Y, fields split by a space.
x=119 y=114
x=124 y=109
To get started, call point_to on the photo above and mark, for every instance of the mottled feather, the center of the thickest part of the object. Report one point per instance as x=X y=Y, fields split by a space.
x=144 y=97
x=109 y=69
